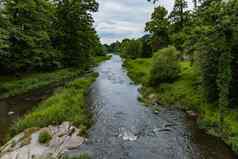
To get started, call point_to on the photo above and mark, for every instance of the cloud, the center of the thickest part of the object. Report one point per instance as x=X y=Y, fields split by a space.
x=119 y=19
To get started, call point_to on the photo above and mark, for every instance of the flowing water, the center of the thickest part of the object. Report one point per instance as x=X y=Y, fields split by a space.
x=125 y=129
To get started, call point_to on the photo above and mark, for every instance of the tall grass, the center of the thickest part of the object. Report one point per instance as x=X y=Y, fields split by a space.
x=66 y=105
x=14 y=86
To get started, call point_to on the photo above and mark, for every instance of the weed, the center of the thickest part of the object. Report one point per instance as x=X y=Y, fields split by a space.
x=44 y=137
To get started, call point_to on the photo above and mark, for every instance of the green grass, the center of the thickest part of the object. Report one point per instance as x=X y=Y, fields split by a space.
x=11 y=85
x=99 y=59
x=138 y=69
x=186 y=94
x=66 y=105
x=15 y=86
x=44 y=137
x=185 y=91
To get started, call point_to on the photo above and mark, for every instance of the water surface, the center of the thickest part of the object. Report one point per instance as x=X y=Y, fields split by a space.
x=125 y=129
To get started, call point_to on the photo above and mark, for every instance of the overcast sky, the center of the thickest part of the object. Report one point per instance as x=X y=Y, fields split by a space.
x=119 y=19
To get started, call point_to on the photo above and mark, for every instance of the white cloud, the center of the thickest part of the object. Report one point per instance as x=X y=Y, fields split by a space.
x=119 y=19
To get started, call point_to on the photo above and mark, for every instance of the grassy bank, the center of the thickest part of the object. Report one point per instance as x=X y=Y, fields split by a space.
x=12 y=85
x=138 y=69
x=186 y=94
x=99 y=59
x=67 y=104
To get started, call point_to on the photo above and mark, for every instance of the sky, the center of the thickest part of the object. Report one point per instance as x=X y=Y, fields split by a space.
x=120 y=19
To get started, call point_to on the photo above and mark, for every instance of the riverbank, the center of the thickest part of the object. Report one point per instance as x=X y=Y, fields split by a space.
x=13 y=86
x=67 y=104
x=30 y=90
x=185 y=93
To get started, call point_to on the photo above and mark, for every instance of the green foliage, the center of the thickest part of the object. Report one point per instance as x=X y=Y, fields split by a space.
x=99 y=59
x=224 y=79
x=178 y=15
x=75 y=36
x=46 y=35
x=28 y=38
x=139 y=69
x=44 y=137
x=204 y=34
x=147 y=49
x=186 y=93
x=11 y=86
x=66 y=105
x=113 y=48
x=158 y=26
x=165 y=67
x=208 y=35
x=131 y=48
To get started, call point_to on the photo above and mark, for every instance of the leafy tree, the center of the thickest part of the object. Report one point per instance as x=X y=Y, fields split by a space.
x=114 y=47
x=146 y=46
x=158 y=27
x=4 y=45
x=131 y=48
x=76 y=37
x=178 y=16
x=29 y=41
x=231 y=30
x=224 y=79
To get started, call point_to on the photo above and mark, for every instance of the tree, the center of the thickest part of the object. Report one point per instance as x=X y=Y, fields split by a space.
x=146 y=46
x=131 y=48
x=75 y=36
x=4 y=45
x=28 y=39
x=158 y=27
x=178 y=16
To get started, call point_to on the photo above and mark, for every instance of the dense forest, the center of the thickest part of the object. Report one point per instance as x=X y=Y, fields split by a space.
x=43 y=35
x=206 y=36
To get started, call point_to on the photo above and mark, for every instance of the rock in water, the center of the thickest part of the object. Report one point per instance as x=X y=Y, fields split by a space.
x=26 y=145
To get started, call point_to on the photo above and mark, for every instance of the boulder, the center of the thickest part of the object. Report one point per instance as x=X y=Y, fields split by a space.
x=26 y=145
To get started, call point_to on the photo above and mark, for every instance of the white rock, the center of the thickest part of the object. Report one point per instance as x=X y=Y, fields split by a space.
x=64 y=137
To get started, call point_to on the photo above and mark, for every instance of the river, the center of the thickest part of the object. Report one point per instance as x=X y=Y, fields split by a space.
x=125 y=129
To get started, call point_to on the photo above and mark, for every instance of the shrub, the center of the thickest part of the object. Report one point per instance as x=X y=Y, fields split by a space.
x=44 y=137
x=165 y=66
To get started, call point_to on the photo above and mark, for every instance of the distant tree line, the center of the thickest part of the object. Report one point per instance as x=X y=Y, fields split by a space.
x=46 y=34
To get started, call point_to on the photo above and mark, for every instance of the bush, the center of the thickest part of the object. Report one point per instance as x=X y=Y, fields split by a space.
x=165 y=66
x=44 y=137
